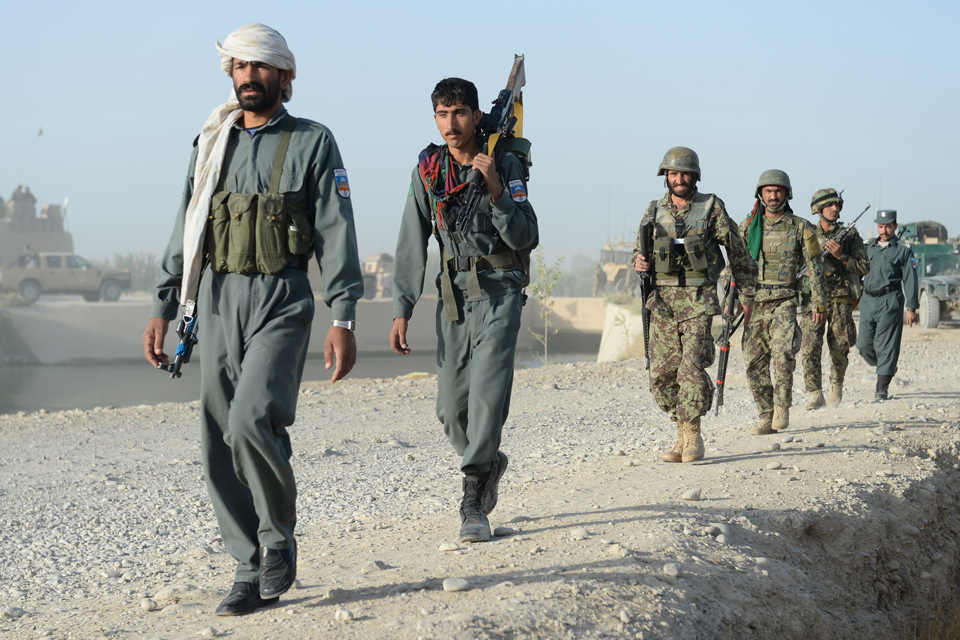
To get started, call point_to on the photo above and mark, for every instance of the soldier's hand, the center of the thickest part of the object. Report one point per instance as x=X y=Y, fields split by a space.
x=912 y=318
x=342 y=344
x=153 y=341
x=747 y=312
x=819 y=318
x=834 y=248
x=487 y=167
x=398 y=337
x=641 y=265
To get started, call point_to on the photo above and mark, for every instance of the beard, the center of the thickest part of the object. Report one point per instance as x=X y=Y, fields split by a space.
x=680 y=190
x=267 y=98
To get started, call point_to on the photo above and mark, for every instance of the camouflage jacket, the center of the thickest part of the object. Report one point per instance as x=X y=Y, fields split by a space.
x=810 y=251
x=839 y=275
x=690 y=302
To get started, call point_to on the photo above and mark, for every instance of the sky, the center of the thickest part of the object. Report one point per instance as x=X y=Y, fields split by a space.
x=858 y=96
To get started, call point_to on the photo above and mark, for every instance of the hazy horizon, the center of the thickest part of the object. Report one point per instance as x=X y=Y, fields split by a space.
x=855 y=96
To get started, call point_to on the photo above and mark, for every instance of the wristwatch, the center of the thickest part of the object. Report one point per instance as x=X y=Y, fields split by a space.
x=911 y=310
x=344 y=324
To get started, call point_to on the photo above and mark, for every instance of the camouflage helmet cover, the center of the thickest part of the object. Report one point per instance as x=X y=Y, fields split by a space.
x=823 y=197
x=680 y=159
x=774 y=178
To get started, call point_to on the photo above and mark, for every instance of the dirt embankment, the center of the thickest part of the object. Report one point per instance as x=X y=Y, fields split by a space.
x=844 y=525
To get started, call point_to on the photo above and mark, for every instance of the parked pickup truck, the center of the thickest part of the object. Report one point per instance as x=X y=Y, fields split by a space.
x=47 y=272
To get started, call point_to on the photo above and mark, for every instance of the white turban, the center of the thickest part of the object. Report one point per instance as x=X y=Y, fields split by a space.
x=256 y=42
x=253 y=43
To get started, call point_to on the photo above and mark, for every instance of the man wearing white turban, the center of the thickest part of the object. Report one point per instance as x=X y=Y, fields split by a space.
x=264 y=191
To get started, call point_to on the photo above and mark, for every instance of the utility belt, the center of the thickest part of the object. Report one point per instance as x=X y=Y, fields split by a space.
x=505 y=259
x=785 y=285
x=259 y=232
x=890 y=288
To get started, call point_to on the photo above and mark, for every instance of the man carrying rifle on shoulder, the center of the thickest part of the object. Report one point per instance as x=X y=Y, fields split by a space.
x=843 y=266
x=481 y=280
x=686 y=229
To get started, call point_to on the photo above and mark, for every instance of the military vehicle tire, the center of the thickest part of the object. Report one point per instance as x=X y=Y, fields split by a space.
x=369 y=287
x=110 y=290
x=929 y=311
x=29 y=290
x=92 y=297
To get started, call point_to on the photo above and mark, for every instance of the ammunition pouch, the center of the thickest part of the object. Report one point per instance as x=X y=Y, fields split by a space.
x=666 y=259
x=259 y=232
x=697 y=252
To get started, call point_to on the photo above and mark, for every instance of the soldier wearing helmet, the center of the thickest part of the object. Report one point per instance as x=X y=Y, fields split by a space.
x=780 y=243
x=843 y=269
x=688 y=229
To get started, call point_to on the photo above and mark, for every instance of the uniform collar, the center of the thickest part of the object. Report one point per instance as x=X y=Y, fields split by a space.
x=667 y=201
x=274 y=121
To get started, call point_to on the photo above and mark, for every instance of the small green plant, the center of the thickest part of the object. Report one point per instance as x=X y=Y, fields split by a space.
x=542 y=290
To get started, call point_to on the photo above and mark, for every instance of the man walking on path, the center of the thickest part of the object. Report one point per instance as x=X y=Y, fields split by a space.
x=264 y=191
x=891 y=282
x=780 y=243
x=688 y=228
x=843 y=269
x=480 y=284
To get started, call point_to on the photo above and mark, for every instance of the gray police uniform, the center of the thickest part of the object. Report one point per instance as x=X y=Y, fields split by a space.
x=892 y=280
x=254 y=330
x=478 y=314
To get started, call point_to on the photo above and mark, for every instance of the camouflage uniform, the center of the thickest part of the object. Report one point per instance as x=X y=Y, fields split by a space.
x=772 y=335
x=681 y=318
x=842 y=293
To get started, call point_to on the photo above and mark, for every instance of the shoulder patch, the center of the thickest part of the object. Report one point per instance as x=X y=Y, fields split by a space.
x=913 y=262
x=343 y=186
x=517 y=192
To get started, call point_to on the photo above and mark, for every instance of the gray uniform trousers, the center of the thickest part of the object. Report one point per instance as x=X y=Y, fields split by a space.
x=475 y=375
x=881 y=327
x=254 y=331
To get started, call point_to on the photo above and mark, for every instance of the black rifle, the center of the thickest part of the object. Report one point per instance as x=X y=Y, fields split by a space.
x=839 y=238
x=645 y=241
x=187 y=330
x=730 y=325
x=500 y=121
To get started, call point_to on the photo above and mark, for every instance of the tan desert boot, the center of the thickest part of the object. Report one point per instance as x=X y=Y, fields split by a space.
x=816 y=401
x=675 y=454
x=693 y=444
x=836 y=395
x=763 y=427
x=781 y=419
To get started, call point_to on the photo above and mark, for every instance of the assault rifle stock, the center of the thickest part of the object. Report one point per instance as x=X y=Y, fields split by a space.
x=645 y=241
x=730 y=325
x=187 y=330
x=839 y=239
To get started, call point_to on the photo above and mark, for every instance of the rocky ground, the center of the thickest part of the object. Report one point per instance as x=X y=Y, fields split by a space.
x=844 y=525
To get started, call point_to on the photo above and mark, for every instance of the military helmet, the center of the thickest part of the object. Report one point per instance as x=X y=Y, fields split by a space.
x=774 y=178
x=823 y=197
x=680 y=159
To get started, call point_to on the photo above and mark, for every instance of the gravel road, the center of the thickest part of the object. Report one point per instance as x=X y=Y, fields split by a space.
x=844 y=525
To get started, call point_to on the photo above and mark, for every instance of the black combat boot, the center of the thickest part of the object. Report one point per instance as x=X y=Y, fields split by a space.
x=474 y=525
x=491 y=492
x=883 y=383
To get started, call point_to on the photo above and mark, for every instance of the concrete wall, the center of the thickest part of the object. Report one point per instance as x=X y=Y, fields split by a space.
x=64 y=329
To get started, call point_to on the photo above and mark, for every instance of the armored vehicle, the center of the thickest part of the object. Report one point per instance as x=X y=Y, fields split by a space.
x=938 y=271
x=617 y=260
x=52 y=272
x=378 y=276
